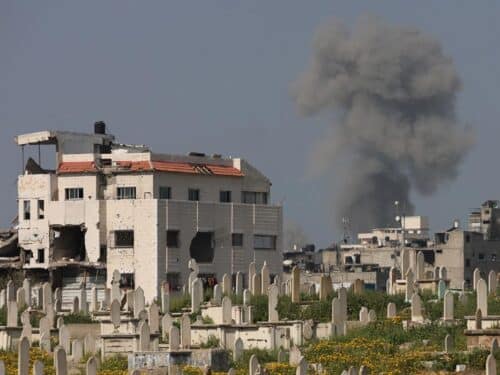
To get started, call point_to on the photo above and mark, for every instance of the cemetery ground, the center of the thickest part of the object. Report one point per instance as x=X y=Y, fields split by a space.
x=383 y=346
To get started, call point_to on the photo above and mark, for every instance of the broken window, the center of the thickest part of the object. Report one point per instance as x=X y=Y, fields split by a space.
x=202 y=247
x=68 y=242
x=41 y=209
x=264 y=242
x=126 y=192
x=165 y=192
x=127 y=280
x=26 y=210
x=253 y=197
x=73 y=193
x=237 y=239
x=173 y=238
x=174 y=280
x=225 y=196
x=40 y=256
x=194 y=194
x=124 y=238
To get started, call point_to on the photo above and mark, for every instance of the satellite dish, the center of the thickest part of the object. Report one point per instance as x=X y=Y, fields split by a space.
x=398 y=218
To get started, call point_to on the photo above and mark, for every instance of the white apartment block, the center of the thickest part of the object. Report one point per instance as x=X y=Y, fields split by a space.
x=111 y=206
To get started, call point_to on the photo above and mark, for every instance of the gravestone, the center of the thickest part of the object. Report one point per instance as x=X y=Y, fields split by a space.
x=239 y=283
x=27 y=330
x=476 y=275
x=64 y=338
x=358 y=286
x=363 y=315
x=165 y=298
x=251 y=272
x=443 y=273
x=21 y=298
x=302 y=367
x=44 y=325
x=295 y=356
x=256 y=285
x=138 y=301
x=436 y=273
x=47 y=296
x=144 y=337
x=391 y=310
x=441 y=289
x=11 y=291
x=479 y=319
x=372 y=316
x=185 y=331
x=75 y=308
x=45 y=341
x=23 y=356
x=231 y=371
x=166 y=323
x=11 y=314
x=238 y=349
x=173 y=338
x=492 y=282
x=196 y=295
x=91 y=366
x=3 y=298
x=253 y=365
x=448 y=313
x=84 y=307
x=192 y=277
x=265 y=277
x=38 y=367
x=226 y=284
x=93 y=300
x=420 y=266
x=217 y=294
x=60 y=361
x=246 y=297
x=482 y=296
x=2 y=368
x=154 y=318
x=129 y=300
x=115 y=313
x=342 y=296
x=307 y=330
x=115 y=286
x=281 y=356
x=277 y=282
x=76 y=350
x=273 y=303
x=416 y=308
x=89 y=344
x=494 y=346
x=491 y=365
x=295 y=284
x=226 y=310
x=448 y=343
x=409 y=285
x=325 y=284
x=405 y=261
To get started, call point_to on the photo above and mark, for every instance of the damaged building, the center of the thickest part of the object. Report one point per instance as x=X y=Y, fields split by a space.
x=113 y=206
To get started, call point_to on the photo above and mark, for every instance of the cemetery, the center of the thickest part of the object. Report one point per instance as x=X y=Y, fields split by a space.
x=278 y=327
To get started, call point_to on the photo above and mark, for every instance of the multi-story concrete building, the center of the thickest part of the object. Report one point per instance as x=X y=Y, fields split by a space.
x=112 y=206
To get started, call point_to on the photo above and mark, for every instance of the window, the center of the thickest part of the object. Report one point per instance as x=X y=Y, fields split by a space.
x=26 y=210
x=126 y=192
x=493 y=257
x=225 y=196
x=41 y=209
x=40 y=256
x=481 y=256
x=73 y=193
x=237 y=239
x=253 y=197
x=194 y=194
x=165 y=192
x=467 y=262
x=102 y=254
x=124 y=238
x=173 y=238
x=264 y=242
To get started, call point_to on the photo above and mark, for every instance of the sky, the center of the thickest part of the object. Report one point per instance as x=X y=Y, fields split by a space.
x=215 y=76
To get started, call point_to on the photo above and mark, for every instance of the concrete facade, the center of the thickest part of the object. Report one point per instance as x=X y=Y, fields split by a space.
x=123 y=207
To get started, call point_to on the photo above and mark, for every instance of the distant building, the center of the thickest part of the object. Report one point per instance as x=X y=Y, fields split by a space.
x=113 y=206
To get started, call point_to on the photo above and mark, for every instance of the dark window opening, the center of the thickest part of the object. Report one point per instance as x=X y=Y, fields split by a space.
x=126 y=192
x=68 y=242
x=429 y=256
x=481 y=256
x=165 y=192
x=467 y=238
x=253 y=197
x=202 y=247
x=124 y=238
x=174 y=281
x=40 y=256
x=41 y=209
x=71 y=194
x=28 y=254
x=225 y=196
x=467 y=262
x=237 y=239
x=173 y=238
x=103 y=254
x=127 y=281
x=264 y=242
x=194 y=194
x=26 y=210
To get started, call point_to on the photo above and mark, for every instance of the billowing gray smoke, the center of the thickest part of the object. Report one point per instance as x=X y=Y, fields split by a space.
x=392 y=93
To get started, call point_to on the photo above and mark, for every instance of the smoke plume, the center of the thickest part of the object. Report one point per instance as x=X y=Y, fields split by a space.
x=392 y=92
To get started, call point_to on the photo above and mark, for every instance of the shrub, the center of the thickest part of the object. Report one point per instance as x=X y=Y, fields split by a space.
x=76 y=318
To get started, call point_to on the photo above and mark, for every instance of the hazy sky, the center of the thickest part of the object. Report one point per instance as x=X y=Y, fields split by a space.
x=214 y=76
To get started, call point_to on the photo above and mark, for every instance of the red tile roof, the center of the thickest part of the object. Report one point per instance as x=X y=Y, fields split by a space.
x=160 y=166
x=77 y=167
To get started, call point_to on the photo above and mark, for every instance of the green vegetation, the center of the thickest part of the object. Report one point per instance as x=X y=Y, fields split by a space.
x=76 y=318
x=178 y=303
